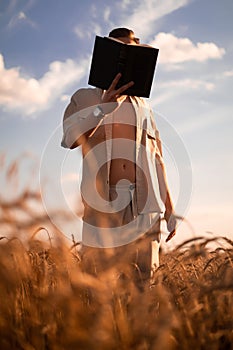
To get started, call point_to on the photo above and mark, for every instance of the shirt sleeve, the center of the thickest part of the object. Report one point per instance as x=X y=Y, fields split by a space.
x=78 y=120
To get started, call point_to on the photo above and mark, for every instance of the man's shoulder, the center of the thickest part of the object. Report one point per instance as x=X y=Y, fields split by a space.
x=87 y=96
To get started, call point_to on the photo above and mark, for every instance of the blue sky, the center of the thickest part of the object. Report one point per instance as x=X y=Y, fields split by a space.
x=45 y=56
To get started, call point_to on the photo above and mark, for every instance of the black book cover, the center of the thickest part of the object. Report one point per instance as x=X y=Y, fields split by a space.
x=134 y=62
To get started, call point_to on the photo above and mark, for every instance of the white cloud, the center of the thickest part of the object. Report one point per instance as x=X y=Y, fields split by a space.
x=93 y=11
x=107 y=13
x=137 y=15
x=170 y=89
x=90 y=26
x=203 y=121
x=22 y=15
x=125 y=3
x=80 y=32
x=65 y=98
x=29 y=95
x=228 y=73
x=147 y=12
x=177 y=50
x=21 y=18
x=88 y=31
x=189 y=84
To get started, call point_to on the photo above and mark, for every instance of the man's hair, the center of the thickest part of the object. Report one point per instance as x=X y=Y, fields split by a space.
x=120 y=32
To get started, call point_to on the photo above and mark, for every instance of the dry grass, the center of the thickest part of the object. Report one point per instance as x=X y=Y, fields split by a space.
x=49 y=301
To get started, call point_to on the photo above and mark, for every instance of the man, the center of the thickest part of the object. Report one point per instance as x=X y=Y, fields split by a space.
x=124 y=185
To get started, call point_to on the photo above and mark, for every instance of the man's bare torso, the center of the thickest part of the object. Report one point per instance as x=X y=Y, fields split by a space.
x=124 y=167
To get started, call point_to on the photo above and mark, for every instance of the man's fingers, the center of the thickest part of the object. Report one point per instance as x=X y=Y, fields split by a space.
x=114 y=82
x=124 y=87
x=112 y=94
x=170 y=236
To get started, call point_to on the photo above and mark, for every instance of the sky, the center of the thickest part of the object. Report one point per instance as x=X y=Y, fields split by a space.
x=45 y=53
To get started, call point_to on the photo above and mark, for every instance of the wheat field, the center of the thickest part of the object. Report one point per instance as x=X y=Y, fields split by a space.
x=50 y=302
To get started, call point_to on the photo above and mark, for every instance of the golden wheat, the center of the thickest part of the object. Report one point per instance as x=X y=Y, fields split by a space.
x=49 y=301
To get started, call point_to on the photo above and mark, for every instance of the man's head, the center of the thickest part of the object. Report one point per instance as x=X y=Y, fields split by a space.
x=125 y=35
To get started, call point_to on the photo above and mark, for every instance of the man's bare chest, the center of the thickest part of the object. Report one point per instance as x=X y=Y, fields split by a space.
x=124 y=122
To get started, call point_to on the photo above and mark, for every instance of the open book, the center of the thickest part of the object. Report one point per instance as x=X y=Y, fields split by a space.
x=135 y=63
